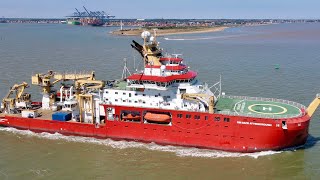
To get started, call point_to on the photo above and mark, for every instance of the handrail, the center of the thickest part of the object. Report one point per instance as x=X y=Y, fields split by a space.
x=298 y=105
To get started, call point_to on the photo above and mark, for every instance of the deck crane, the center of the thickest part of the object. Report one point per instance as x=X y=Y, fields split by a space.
x=87 y=107
x=48 y=80
x=20 y=100
x=198 y=97
x=313 y=105
x=88 y=84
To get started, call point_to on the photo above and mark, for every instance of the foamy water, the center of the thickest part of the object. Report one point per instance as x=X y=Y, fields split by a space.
x=178 y=150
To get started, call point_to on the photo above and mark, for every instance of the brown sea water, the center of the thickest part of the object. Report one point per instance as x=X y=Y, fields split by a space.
x=245 y=57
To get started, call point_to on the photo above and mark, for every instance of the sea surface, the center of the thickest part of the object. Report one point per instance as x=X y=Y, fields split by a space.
x=245 y=57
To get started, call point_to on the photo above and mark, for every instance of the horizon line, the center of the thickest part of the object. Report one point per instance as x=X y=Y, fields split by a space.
x=48 y=18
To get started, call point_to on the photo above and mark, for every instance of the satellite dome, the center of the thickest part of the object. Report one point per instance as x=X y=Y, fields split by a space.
x=145 y=35
x=163 y=67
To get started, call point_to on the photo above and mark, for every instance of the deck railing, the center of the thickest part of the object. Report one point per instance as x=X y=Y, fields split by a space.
x=272 y=116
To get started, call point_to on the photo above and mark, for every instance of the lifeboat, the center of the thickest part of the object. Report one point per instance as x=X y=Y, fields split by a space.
x=157 y=117
x=130 y=117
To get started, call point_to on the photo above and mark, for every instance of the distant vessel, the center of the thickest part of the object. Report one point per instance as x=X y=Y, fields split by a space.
x=92 y=21
x=3 y=20
x=91 y=18
x=164 y=103
x=73 y=21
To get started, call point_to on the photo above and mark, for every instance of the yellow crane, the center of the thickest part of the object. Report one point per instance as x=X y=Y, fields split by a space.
x=9 y=103
x=195 y=97
x=313 y=105
x=44 y=80
x=49 y=79
x=85 y=99
x=150 y=50
x=88 y=84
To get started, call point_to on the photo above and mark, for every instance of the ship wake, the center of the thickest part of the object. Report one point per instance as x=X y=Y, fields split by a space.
x=178 y=150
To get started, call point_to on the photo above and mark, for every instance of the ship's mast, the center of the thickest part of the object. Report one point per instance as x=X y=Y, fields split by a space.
x=125 y=70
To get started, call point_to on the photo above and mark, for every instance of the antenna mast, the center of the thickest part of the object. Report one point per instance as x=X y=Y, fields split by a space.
x=125 y=70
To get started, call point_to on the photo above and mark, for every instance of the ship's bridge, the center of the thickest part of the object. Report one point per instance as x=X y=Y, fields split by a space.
x=160 y=81
x=171 y=60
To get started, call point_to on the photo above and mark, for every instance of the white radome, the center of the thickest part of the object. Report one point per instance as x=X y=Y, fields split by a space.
x=151 y=39
x=145 y=35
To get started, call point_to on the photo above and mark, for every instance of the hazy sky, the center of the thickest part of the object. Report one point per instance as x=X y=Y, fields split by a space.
x=165 y=8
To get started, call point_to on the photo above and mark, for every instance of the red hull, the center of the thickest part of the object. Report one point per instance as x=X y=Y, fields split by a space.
x=237 y=134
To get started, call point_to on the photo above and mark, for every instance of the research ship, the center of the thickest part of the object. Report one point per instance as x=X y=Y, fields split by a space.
x=164 y=103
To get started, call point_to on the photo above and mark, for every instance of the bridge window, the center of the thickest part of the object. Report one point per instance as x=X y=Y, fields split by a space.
x=216 y=118
x=116 y=92
x=196 y=117
x=116 y=100
x=188 y=116
x=205 y=117
x=179 y=115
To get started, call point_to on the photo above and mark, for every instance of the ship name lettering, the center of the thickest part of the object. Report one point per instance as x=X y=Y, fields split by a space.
x=254 y=123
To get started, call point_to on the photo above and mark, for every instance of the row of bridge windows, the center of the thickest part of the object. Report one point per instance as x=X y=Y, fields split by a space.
x=163 y=84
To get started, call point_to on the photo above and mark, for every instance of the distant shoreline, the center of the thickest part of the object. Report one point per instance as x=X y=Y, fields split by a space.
x=169 y=31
